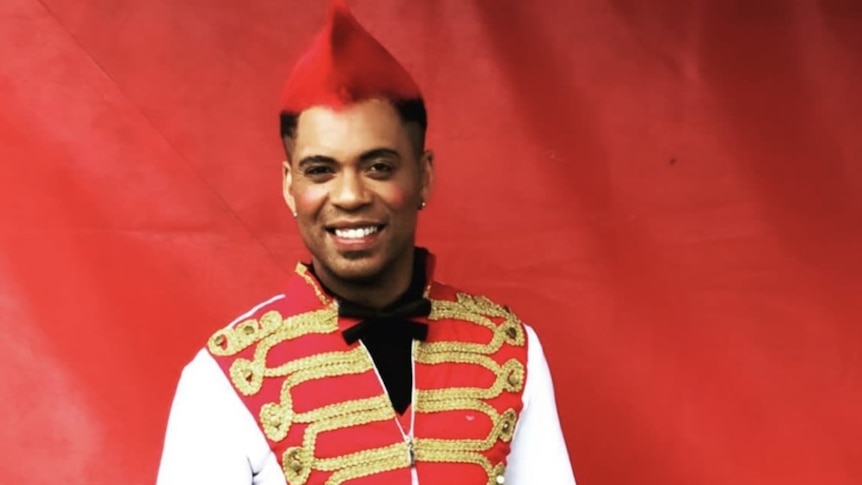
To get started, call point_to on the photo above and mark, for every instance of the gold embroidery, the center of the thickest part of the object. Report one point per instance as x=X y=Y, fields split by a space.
x=229 y=341
x=365 y=463
x=299 y=461
x=382 y=412
x=398 y=450
x=509 y=377
x=296 y=463
x=481 y=311
x=498 y=475
x=454 y=455
x=277 y=418
x=503 y=429
x=507 y=425
x=247 y=375
x=451 y=403
x=232 y=340
x=302 y=271
x=506 y=329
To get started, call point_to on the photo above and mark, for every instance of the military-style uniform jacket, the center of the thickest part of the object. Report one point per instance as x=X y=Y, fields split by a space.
x=279 y=397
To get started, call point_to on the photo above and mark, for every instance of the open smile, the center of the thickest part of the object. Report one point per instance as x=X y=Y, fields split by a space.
x=355 y=236
x=355 y=232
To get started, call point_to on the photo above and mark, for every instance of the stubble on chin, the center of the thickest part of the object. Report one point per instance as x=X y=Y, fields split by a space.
x=348 y=268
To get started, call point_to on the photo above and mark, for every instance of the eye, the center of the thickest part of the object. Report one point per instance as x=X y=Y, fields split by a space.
x=380 y=169
x=317 y=170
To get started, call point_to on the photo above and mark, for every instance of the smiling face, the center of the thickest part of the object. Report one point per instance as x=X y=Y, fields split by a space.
x=355 y=182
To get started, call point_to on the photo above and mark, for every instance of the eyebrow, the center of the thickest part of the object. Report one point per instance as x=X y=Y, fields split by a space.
x=379 y=153
x=366 y=156
x=315 y=159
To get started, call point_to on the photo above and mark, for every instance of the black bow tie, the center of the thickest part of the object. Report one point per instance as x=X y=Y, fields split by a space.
x=393 y=322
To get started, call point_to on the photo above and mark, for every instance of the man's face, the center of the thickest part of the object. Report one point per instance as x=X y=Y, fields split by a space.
x=355 y=185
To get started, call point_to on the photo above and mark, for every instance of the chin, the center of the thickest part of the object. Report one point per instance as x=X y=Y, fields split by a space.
x=355 y=267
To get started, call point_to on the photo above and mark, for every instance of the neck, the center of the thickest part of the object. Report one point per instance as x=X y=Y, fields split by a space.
x=376 y=292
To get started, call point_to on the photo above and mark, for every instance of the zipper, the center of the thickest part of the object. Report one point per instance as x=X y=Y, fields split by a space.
x=411 y=453
x=407 y=435
x=410 y=447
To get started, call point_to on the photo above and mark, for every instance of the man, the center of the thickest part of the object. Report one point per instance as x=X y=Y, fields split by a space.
x=365 y=370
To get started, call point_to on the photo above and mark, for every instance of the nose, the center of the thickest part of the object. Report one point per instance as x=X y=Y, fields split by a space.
x=349 y=192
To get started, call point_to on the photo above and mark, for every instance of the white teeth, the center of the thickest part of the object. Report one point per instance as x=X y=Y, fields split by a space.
x=356 y=233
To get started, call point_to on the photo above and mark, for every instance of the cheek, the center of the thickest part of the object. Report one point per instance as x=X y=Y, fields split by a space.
x=309 y=199
x=398 y=197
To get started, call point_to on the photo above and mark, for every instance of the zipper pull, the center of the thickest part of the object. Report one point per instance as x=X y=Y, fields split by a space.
x=411 y=453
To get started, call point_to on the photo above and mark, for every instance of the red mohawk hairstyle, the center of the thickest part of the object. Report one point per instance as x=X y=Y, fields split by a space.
x=345 y=65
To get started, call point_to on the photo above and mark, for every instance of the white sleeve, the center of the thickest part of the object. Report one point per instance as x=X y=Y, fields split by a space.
x=539 y=453
x=211 y=437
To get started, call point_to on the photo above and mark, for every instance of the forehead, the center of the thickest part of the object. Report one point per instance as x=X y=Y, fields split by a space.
x=348 y=132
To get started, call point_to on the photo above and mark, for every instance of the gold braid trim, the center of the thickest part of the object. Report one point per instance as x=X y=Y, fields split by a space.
x=347 y=414
x=382 y=412
x=509 y=378
x=366 y=463
x=504 y=429
x=321 y=321
x=361 y=457
x=298 y=462
x=451 y=403
x=478 y=310
x=454 y=455
x=276 y=418
x=247 y=375
x=302 y=271
x=322 y=365
x=232 y=340
x=235 y=339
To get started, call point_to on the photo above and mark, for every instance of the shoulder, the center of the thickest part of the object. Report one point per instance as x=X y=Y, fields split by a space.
x=448 y=301
x=267 y=312
x=445 y=293
x=258 y=310
x=203 y=367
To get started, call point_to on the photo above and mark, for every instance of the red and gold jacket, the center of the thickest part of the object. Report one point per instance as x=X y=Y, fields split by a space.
x=326 y=415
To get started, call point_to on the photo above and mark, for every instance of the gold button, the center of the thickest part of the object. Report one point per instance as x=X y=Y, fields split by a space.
x=513 y=379
x=507 y=425
x=295 y=461
x=275 y=422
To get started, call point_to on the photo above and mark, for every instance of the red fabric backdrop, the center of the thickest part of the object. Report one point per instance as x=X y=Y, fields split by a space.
x=669 y=192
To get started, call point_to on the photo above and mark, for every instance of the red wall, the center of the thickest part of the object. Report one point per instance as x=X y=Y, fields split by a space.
x=669 y=192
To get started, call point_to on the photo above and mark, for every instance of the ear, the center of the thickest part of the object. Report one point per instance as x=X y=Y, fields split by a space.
x=287 y=186
x=426 y=181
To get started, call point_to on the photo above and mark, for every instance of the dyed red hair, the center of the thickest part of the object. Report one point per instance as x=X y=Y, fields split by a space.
x=344 y=65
